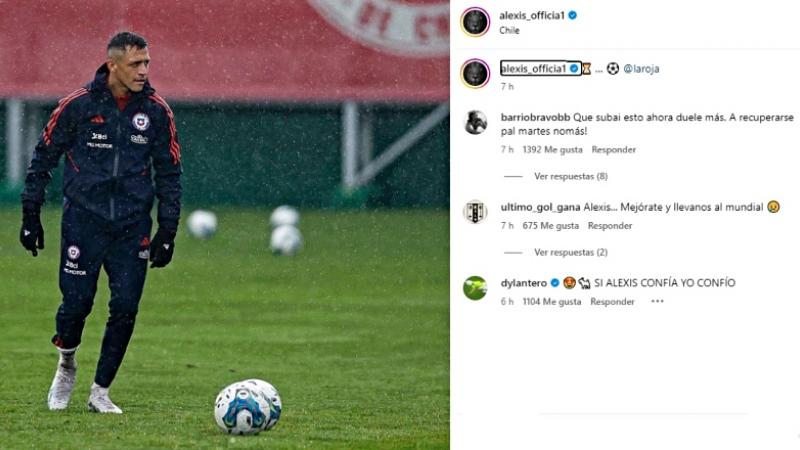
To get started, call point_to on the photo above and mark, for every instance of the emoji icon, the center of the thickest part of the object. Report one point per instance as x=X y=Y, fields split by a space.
x=773 y=206
x=584 y=282
x=569 y=282
x=587 y=68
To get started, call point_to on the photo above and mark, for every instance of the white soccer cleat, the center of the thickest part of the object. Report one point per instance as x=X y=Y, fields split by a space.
x=99 y=401
x=61 y=387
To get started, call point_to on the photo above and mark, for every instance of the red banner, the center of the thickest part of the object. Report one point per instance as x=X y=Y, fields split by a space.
x=256 y=50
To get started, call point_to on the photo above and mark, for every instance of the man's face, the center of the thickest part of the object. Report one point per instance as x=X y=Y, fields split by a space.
x=130 y=68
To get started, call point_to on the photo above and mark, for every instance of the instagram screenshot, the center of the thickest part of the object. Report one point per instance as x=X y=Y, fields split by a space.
x=623 y=226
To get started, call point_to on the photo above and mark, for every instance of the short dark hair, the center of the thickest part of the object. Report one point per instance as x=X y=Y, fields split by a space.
x=125 y=39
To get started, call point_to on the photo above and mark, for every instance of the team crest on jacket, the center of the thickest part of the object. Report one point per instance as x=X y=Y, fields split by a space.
x=141 y=121
x=73 y=252
x=419 y=28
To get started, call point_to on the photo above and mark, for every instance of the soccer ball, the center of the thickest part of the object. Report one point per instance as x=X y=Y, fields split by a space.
x=285 y=240
x=284 y=215
x=247 y=407
x=268 y=391
x=202 y=224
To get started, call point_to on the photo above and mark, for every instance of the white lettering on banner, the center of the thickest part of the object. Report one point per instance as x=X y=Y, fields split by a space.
x=417 y=30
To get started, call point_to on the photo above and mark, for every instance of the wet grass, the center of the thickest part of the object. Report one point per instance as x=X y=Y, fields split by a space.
x=353 y=331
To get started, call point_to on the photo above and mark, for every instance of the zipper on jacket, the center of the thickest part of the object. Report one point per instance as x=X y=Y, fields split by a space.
x=116 y=165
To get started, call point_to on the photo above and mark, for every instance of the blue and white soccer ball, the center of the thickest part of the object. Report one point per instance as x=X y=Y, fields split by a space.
x=247 y=407
x=284 y=215
x=270 y=393
x=202 y=224
x=285 y=240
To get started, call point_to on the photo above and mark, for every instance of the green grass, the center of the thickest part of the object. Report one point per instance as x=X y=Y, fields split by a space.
x=353 y=332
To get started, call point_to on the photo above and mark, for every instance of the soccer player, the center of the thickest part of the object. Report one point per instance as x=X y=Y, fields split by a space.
x=121 y=151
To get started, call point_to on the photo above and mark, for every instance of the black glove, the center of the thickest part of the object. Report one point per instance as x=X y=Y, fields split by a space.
x=31 y=235
x=162 y=247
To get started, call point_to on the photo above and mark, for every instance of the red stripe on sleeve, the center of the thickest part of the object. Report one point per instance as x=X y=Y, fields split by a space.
x=72 y=161
x=174 y=147
x=62 y=104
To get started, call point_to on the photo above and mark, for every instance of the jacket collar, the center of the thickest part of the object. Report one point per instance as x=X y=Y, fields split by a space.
x=100 y=83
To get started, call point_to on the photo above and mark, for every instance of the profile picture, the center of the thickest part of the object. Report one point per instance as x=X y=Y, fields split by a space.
x=475 y=211
x=475 y=73
x=475 y=122
x=475 y=21
x=475 y=288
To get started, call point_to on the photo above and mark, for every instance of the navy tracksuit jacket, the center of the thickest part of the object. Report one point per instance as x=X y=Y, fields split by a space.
x=116 y=163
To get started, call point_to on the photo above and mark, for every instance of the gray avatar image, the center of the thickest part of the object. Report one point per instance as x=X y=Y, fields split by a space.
x=476 y=122
x=475 y=22
x=475 y=211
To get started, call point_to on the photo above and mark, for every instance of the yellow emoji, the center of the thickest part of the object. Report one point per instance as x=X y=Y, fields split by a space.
x=773 y=206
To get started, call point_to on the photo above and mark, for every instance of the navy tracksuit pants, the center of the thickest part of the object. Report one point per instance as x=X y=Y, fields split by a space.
x=122 y=249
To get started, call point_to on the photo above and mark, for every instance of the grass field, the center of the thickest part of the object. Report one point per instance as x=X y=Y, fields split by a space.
x=353 y=332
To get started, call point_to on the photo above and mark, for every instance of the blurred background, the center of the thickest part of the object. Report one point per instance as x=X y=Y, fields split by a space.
x=312 y=103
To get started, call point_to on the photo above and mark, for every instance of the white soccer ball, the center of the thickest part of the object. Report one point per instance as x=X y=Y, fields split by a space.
x=247 y=407
x=284 y=215
x=268 y=390
x=285 y=240
x=202 y=224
